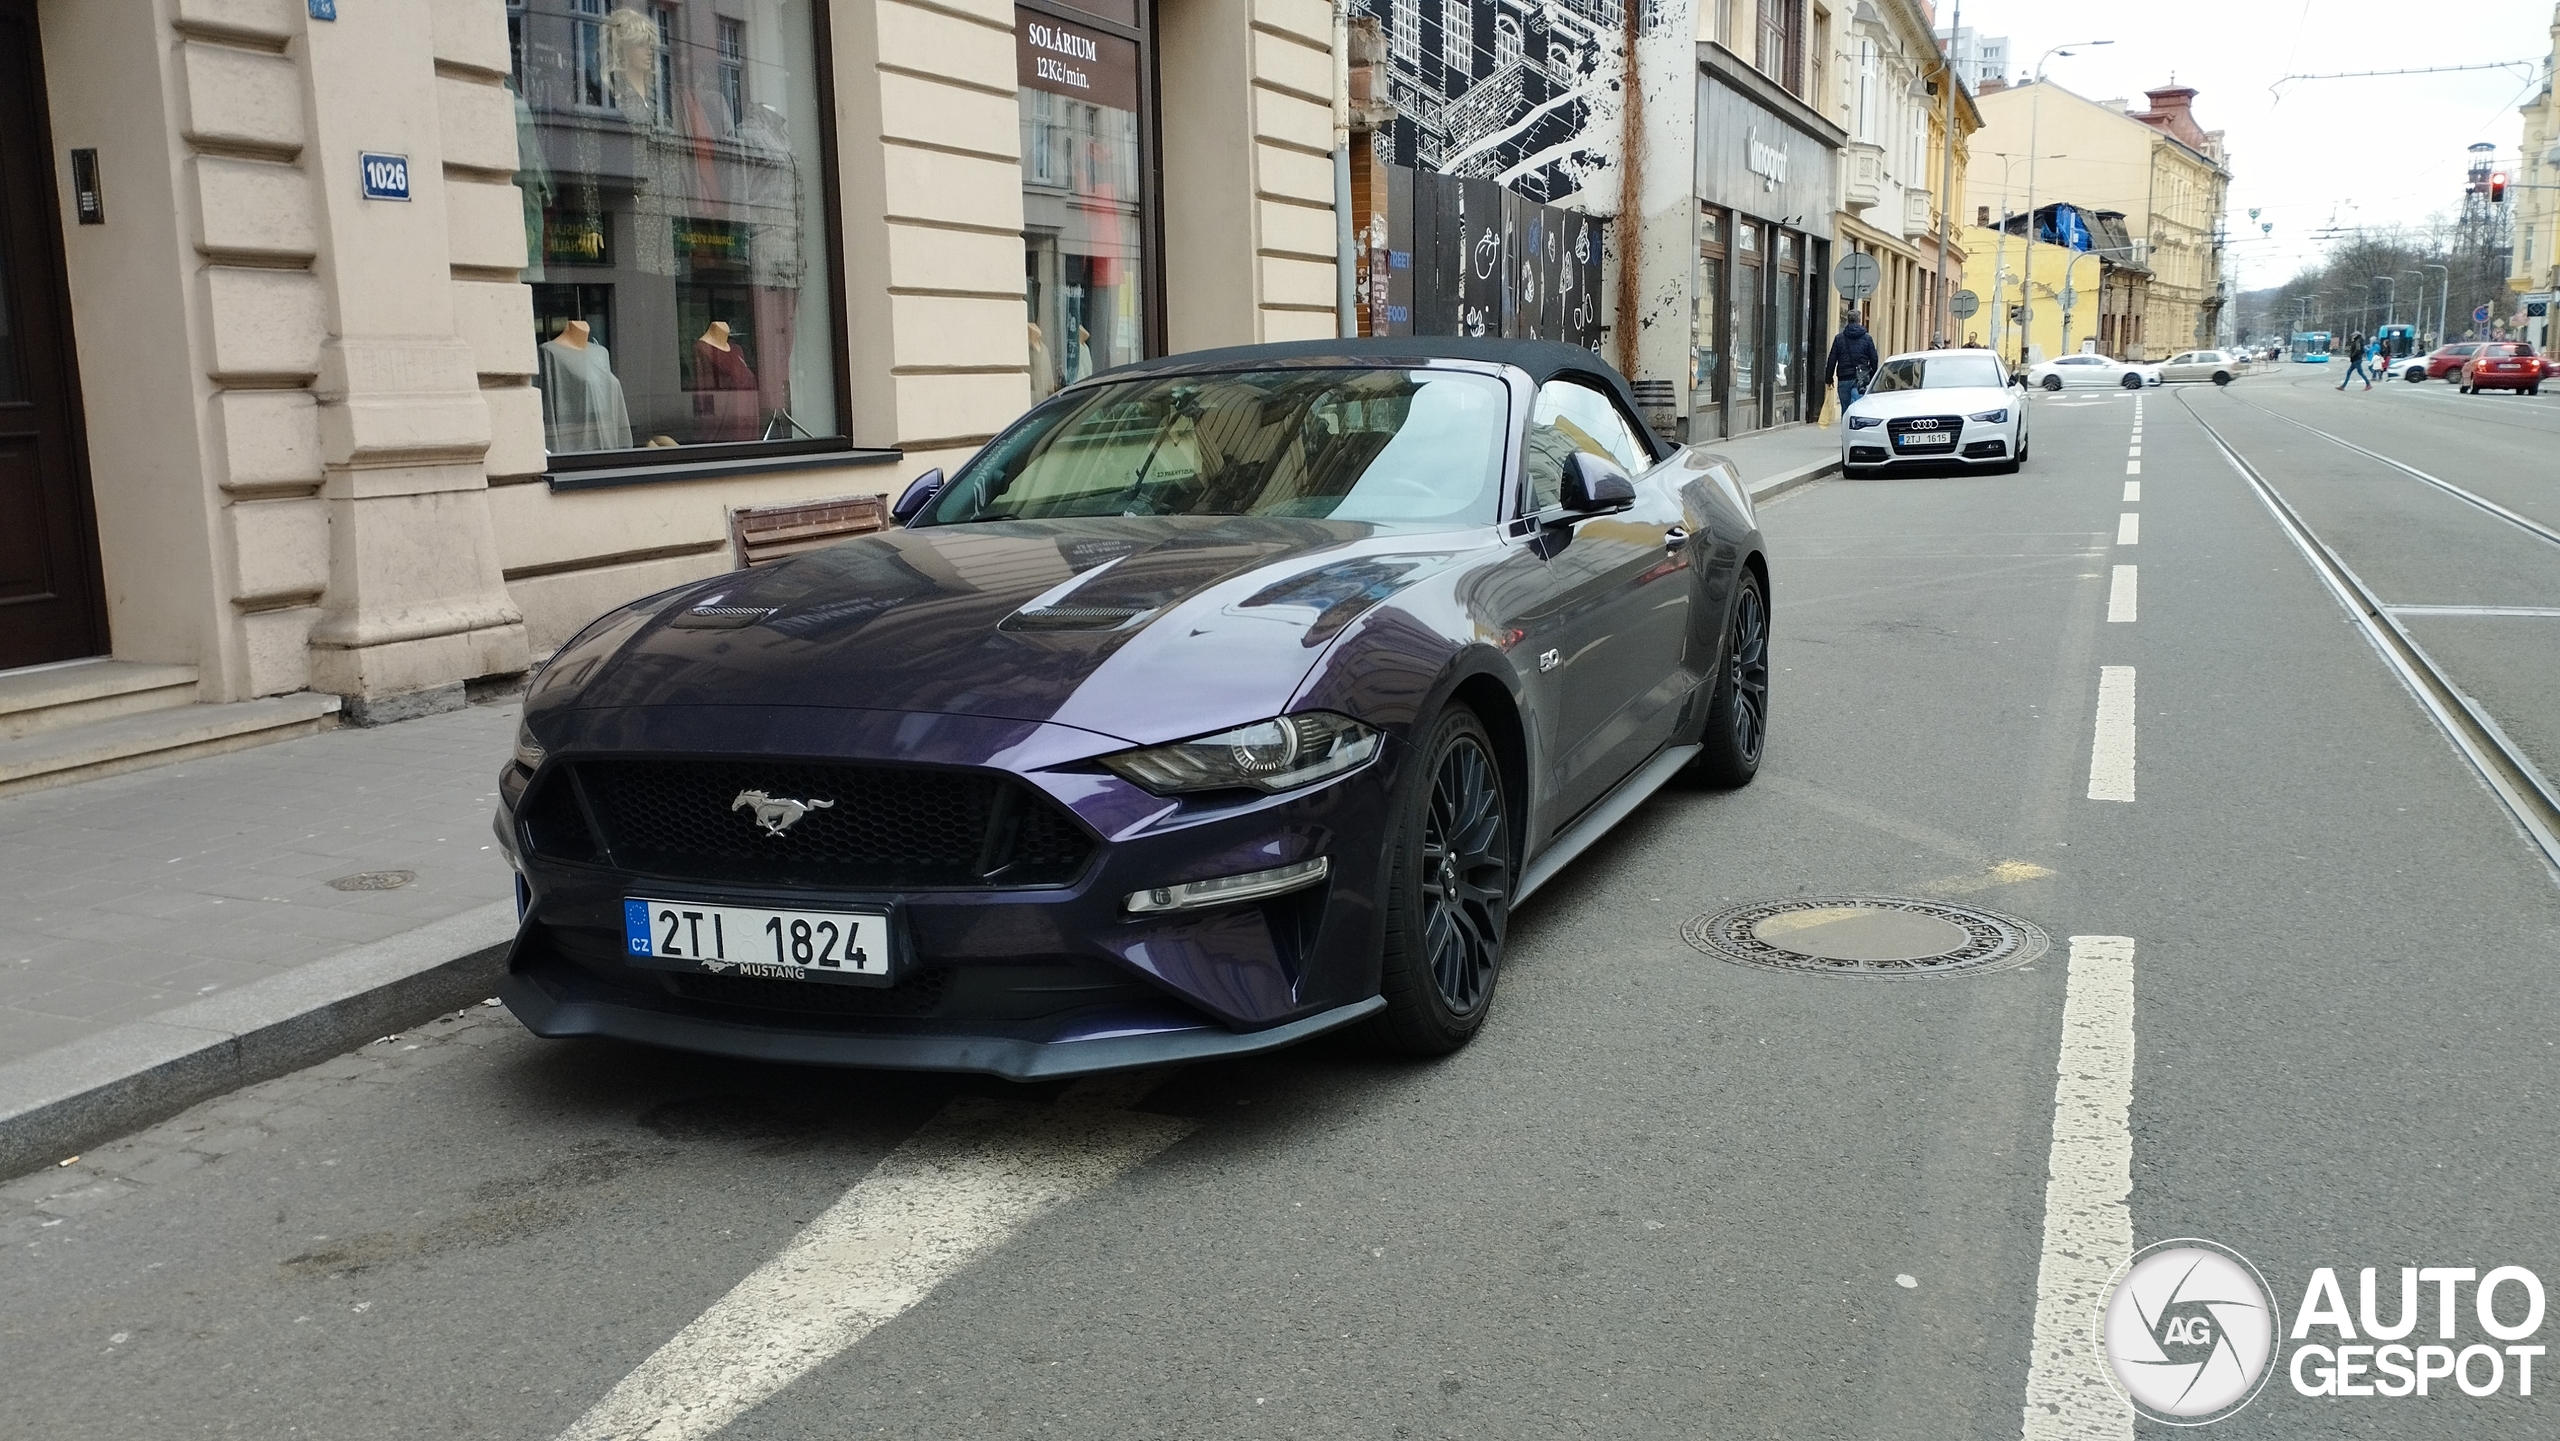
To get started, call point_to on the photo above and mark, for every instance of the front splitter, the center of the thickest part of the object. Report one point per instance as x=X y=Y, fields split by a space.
x=1010 y=1057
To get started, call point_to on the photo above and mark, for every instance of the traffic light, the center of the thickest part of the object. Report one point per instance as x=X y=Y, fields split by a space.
x=2497 y=186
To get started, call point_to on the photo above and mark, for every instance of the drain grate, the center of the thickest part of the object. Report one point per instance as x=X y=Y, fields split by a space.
x=1865 y=936
x=373 y=881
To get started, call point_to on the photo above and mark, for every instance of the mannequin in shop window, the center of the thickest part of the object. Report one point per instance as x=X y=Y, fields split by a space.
x=724 y=388
x=582 y=404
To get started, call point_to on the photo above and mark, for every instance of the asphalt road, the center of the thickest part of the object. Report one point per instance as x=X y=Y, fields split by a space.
x=1663 y=1195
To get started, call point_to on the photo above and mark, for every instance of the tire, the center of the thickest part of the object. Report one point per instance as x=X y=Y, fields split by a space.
x=2222 y=377
x=2052 y=384
x=2131 y=382
x=2022 y=445
x=1737 y=728
x=1449 y=886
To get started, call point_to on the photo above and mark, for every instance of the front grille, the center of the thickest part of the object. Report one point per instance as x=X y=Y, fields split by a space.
x=884 y=827
x=1950 y=426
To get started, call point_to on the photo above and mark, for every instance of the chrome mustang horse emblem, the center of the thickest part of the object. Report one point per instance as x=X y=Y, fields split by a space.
x=777 y=816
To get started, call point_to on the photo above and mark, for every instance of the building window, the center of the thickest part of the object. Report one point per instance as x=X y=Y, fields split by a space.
x=1085 y=193
x=1457 y=36
x=662 y=91
x=1506 y=42
x=733 y=70
x=1408 y=35
x=683 y=286
x=1866 y=118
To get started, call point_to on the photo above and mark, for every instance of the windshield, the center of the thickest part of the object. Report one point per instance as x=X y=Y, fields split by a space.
x=1939 y=372
x=1383 y=446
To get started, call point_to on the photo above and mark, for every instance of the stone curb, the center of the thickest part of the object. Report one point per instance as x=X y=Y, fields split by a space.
x=1771 y=487
x=58 y=1102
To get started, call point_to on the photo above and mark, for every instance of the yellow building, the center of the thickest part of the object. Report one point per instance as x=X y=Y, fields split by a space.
x=2535 y=196
x=2166 y=175
x=2006 y=271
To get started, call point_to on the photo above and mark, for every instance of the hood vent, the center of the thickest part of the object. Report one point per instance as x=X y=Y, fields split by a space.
x=1076 y=618
x=721 y=617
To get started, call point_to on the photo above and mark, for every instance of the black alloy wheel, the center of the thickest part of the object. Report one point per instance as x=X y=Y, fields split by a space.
x=1449 y=894
x=1738 y=718
x=2131 y=382
x=2052 y=384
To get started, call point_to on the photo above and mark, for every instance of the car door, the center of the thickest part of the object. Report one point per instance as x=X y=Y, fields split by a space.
x=2087 y=370
x=2181 y=366
x=1620 y=588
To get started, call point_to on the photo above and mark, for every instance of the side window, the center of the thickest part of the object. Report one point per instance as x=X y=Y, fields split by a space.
x=1593 y=422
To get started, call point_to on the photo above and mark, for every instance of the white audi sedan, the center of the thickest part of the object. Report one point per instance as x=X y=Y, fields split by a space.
x=1943 y=406
x=2078 y=371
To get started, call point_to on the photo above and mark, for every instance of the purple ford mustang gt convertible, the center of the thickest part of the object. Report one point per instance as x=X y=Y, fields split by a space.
x=1222 y=701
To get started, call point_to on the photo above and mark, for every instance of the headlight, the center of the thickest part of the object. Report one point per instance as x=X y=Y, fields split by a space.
x=1273 y=755
x=529 y=752
x=1993 y=416
x=1865 y=422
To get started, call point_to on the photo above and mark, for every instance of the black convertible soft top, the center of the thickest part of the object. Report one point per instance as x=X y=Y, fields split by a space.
x=1544 y=360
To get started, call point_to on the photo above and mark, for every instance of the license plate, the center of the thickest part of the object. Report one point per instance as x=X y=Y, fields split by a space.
x=1927 y=438
x=843 y=946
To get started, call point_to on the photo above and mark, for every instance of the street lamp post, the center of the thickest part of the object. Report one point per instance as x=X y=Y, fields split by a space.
x=2390 y=302
x=2444 y=323
x=2000 y=249
x=2035 y=114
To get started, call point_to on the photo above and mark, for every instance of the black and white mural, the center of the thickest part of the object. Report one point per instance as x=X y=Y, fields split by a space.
x=1523 y=93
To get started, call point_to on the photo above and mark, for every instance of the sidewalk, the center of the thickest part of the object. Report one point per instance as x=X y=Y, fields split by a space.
x=174 y=933
x=139 y=893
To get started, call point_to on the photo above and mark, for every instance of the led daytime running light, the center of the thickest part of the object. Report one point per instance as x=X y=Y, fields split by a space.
x=529 y=752
x=1226 y=890
x=1272 y=756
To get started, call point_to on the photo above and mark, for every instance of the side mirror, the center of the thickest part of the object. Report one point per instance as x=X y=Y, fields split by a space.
x=919 y=494
x=1594 y=485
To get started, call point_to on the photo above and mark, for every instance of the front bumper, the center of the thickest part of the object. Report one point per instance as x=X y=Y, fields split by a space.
x=547 y=1009
x=1025 y=982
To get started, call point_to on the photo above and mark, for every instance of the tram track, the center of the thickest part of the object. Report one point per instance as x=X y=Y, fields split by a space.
x=2522 y=522
x=2528 y=795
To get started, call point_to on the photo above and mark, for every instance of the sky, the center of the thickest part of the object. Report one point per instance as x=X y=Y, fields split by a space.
x=2372 y=151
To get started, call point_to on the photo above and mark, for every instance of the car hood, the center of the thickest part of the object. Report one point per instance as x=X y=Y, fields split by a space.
x=1950 y=400
x=1143 y=628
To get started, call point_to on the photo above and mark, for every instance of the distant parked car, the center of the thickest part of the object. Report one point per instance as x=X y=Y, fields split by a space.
x=2444 y=361
x=2219 y=366
x=2504 y=365
x=2081 y=371
x=1940 y=407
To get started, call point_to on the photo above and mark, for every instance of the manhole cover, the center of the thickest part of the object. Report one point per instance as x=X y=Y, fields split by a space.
x=373 y=881
x=1865 y=936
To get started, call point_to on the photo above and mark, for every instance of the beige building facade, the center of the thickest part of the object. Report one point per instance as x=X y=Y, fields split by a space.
x=2167 y=176
x=1891 y=89
x=400 y=338
x=2534 y=192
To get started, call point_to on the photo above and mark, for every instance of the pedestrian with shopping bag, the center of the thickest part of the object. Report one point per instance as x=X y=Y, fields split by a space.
x=1852 y=360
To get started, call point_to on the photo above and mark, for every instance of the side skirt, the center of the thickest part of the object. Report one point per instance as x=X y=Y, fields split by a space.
x=1614 y=807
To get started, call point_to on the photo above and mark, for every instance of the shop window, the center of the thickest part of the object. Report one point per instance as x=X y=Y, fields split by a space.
x=1706 y=369
x=676 y=190
x=1084 y=194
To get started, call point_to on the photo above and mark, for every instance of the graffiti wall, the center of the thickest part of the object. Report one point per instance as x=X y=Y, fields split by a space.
x=1522 y=93
x=1455 y=255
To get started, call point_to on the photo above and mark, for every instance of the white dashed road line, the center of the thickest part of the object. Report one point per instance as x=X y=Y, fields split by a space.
x=976 y=1174
x=2129 y=528
x=2088 y=1218
x=2133 y=467
x=2120 y=595
x=2132 y=491
x=2111 y=747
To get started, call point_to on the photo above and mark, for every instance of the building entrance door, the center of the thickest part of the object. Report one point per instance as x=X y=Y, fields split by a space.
x=51 y=604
